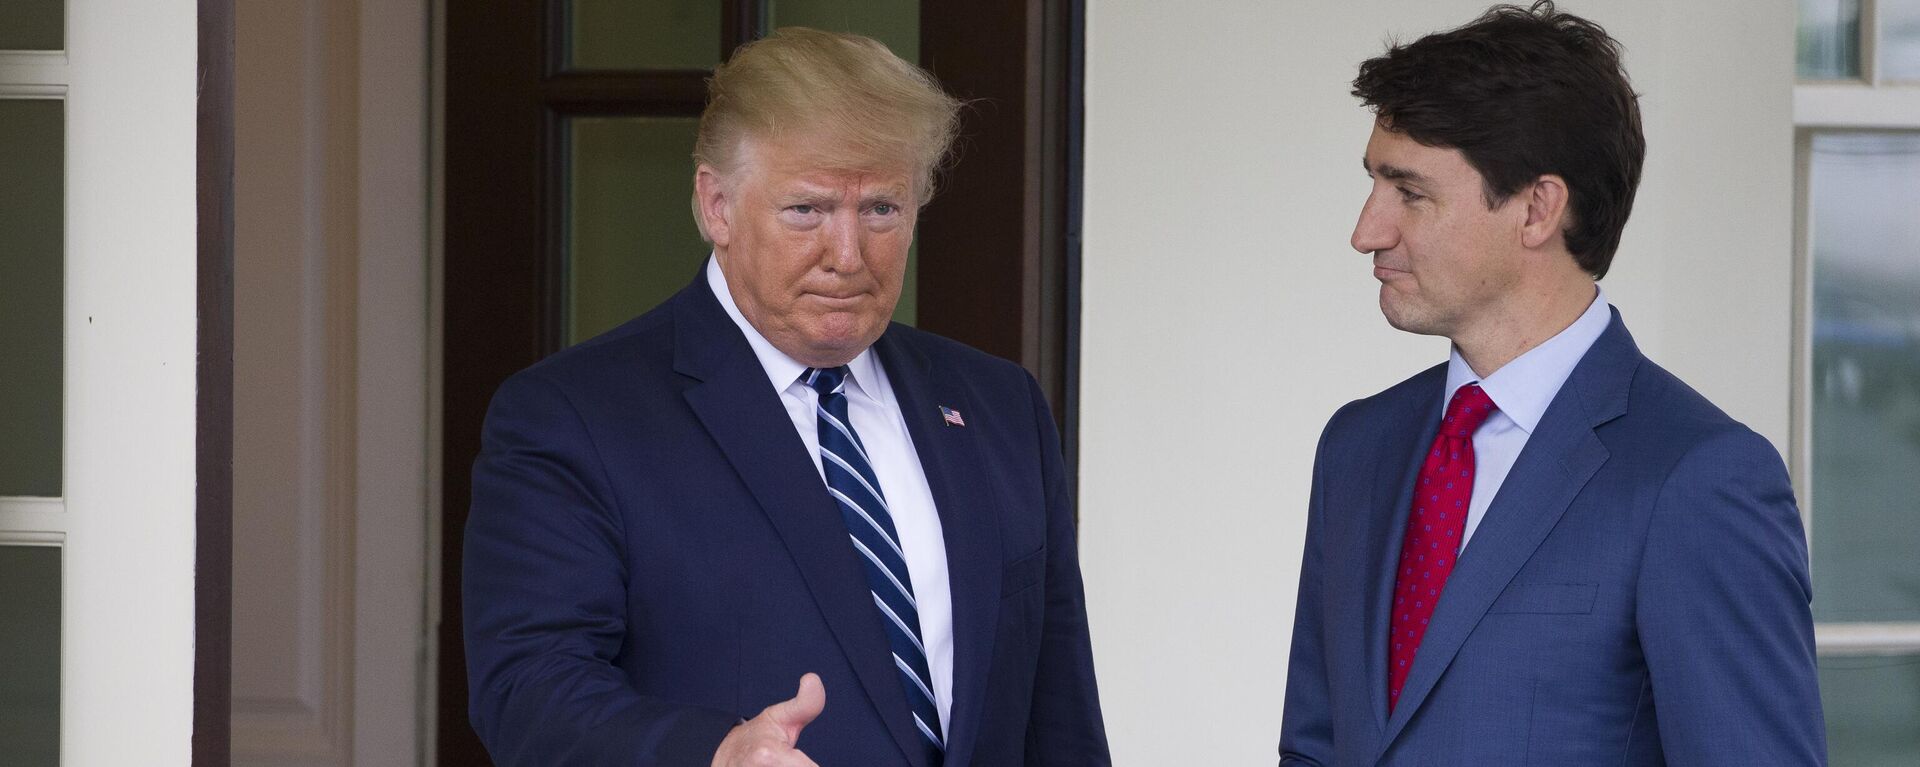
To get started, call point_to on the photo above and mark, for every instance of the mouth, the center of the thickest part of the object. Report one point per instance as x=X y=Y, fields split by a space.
x=1384 y=273
x=834 y=300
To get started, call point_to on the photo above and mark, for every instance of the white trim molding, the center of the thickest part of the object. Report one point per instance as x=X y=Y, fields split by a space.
x=33 y=74
x=32 y=521
x=1856 y=105
x=1851 y=639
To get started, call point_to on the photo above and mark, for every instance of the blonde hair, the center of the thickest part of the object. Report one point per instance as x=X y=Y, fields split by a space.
x=858 y=105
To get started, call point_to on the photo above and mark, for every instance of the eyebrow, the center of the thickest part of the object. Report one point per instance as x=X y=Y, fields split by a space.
x=1392 y=172
x=802 y=197
x=886 y=194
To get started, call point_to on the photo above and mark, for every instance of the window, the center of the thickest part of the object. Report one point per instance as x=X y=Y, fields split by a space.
x=1857 y=402
x=32 y=514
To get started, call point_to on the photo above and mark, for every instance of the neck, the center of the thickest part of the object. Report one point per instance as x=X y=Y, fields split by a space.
x=1528 y=320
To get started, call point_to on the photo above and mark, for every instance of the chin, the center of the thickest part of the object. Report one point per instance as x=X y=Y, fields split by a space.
x=1403 y=319
x=839 y=347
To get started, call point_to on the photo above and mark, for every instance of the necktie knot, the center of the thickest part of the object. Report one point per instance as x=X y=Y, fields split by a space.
x=825 y=380
x=1468 y=409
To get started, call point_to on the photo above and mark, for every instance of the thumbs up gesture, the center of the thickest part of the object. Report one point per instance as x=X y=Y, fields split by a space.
x=767 y=740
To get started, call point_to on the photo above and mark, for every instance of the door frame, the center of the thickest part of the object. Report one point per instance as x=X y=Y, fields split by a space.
x=213 y=406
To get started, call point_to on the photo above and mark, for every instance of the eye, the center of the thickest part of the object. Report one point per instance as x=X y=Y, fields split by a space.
x=884 y=209
x=1408 y=195
x=802 y=216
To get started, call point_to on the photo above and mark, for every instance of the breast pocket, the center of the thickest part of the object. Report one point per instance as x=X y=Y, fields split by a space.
x=1547 y=598
x=1024 y=573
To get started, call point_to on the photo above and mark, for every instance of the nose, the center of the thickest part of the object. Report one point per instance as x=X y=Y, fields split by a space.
x=1374 y=231
x=842 y=241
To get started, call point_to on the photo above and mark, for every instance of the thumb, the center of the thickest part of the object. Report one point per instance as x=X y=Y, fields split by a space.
x=794 y=715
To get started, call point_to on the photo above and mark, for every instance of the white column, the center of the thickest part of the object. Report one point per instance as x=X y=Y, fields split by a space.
x=128 y=629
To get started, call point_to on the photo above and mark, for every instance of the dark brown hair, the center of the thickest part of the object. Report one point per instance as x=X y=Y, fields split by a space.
x=1524 y=92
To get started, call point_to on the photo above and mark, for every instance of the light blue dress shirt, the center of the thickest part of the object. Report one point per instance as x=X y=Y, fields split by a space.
x=1521 y=390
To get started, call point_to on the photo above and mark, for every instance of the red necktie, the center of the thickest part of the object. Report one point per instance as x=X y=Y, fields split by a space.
x=1433 y=531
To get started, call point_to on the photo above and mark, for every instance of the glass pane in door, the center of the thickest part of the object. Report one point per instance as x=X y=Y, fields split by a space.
x=631 y=239
x=1872 y=704
x=30 y=656
x=1865 y=500
x=657 y=34
x=895 y=23
x=33 y=25
x=1900 y=40
x=1829 y=44
x=32 y=145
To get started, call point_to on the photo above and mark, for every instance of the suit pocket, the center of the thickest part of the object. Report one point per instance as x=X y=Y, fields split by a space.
x=1024 y=573
x=1547 y=598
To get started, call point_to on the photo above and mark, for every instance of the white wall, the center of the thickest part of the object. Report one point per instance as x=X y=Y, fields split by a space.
x=1225 y=317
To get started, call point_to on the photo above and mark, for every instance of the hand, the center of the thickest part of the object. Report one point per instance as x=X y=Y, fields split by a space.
x=767 y=740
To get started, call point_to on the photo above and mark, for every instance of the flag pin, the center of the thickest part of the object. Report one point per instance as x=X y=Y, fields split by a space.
x=952 y=416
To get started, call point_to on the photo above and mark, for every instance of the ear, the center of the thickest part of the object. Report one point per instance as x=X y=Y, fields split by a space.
x=712 y=205
x=1546 y=210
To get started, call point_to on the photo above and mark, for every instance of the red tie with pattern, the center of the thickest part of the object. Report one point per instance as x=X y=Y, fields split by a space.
x=1433 y=531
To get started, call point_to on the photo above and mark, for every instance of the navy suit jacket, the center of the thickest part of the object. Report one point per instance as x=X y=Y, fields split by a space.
x=652 y=557
x=1637 y=593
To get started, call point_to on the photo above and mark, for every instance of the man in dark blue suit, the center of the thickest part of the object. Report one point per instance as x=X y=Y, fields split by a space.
x=1547 y=550
x=763 y=482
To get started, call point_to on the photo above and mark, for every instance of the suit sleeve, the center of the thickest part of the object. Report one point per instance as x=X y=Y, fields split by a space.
x=545 y=598
x=1065 y=726
x=1723 y=612
x=1306 y=723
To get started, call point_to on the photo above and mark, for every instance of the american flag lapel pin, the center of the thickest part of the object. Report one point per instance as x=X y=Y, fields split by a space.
x=951 y=416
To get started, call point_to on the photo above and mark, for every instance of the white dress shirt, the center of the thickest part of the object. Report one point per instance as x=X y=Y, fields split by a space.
x=876 y=418
x=1521 y=390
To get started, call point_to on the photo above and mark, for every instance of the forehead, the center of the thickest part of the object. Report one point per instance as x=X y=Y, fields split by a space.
x=1394 y=155
x=804 y=164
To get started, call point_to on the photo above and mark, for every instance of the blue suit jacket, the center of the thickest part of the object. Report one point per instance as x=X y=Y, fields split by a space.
x=1637 y=593
x=652 y=557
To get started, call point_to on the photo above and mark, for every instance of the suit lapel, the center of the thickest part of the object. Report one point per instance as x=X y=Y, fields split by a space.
x=1397 y=465
x=969 y=521
x=743 y=414
x=1560 y=457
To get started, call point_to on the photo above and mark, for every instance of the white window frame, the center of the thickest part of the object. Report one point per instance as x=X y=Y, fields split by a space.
x=1865 y=104
x=36 y=75
x=125 y=522
x=37 y=521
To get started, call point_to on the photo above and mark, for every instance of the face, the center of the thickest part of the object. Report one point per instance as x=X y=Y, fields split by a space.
x=813 y=257
x=1445 y=262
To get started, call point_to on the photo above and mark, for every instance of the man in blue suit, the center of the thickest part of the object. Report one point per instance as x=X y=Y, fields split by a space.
x=762 y=482
x=1547 y=550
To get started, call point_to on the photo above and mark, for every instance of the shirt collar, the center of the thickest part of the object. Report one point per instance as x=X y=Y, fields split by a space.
x=1523 y=388
x=864 y=374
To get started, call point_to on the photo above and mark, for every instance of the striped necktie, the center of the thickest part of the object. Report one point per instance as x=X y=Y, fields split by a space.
x=852 y=483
